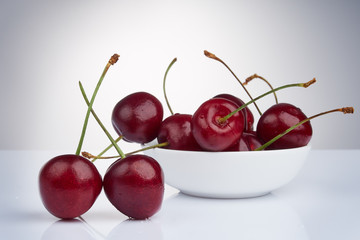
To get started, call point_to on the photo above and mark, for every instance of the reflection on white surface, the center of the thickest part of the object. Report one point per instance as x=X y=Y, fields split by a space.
x=137 y=230
x=266 y=217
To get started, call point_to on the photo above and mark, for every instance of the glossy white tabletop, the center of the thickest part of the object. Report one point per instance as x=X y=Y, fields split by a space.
x=322 y=202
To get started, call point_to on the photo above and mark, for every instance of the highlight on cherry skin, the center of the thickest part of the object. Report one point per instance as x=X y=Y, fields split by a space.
x=135 y=186
x=69 y=185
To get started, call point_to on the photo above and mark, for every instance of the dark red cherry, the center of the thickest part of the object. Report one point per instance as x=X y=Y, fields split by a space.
x=176 y=130
x=249 y=141
x=277 y=119
x=135 y=186
x=69 y=185
x=249 y=117
x=137 y=117
x=209 y=129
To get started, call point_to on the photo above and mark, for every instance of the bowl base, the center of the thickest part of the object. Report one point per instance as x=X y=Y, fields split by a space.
x=225 y=196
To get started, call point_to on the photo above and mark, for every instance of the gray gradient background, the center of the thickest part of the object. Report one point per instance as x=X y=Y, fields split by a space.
x=46 y=47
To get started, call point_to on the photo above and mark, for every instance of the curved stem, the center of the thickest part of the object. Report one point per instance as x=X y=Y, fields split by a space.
x=305 y=85
x=166 y=99
x=212 y=56
x=247 y=80
x=343 y=110
x=100 y=123
x=159 y=145
x=112 y=61
x=107 y=148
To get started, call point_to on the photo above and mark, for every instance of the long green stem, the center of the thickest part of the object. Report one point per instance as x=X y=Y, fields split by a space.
x=166 y=99
x=212 y=56
x=305 y=85
x=343 y=110
x=107 y=148
x=159 y=145
x=100 y=123
x=112 y=61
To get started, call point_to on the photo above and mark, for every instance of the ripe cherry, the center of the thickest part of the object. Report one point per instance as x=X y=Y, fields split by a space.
x=176 y=130
x=277 y=119
x=249 y=141
x=212 y=132
x=69 y=185
x=249 y=117
x=137 y=117
x=135 y=186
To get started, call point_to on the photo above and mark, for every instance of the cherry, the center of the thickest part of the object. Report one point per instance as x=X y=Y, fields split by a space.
x=135 y=186
x=137 y=117
x=249 y=141
x=249 y=117
x=69 y=185
x=210 y=130
x=277 y=119
x=176 y=131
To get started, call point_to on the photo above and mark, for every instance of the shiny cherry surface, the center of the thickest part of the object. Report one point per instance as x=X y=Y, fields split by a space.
x=249 y=117
x=209 y=132
x=135 y=186
x=137 y=117
x=277 y=119
x=176 y=130
x=69 y=185
x=249 y=141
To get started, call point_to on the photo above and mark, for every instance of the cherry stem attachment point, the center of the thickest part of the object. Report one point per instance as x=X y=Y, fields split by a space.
x=344 y=110
x=247 y=80
x=90 y=156
x=112 y=61
x=166 y=99
x=304 y=85
x=100 y=123
x=212 y=56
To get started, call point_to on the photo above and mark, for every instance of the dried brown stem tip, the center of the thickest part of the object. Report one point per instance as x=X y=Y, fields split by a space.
x=114 y=58
x=247 y=80
x=309 y=83
x=210 y=55
x=346 y=110
x=87 y=155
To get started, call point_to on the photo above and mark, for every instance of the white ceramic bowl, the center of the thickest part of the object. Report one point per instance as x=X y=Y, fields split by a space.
x=229 y=174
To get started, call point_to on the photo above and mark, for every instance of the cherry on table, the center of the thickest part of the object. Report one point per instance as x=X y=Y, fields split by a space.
x=137 y=117
x=69 y=185
x=135 y=186
x=210 y=131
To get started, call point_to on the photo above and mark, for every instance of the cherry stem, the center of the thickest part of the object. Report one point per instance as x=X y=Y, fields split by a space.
x=344 y=110
x=112 y=61
x=166 y=99
x=108 y=147
x=100 y=123
x=304 y=85
x=247 y=80
x=212 y=56
x=89 y=155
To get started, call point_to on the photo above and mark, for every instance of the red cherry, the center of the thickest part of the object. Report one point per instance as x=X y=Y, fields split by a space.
x=135 y=186
x=210 y=131
x=176 y=130
x=249 y=141
x=277 y=119
x=137 y=117
x=69 y=185
x=249 y=117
